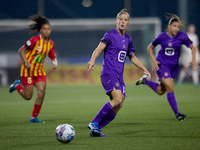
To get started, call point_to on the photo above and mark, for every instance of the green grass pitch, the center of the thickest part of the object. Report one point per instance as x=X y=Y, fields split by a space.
x=146 y=121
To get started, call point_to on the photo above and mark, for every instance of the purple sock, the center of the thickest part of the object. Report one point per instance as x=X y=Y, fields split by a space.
x=107 y=119
x=151 y=84
x=103 y=112
x=172 y=101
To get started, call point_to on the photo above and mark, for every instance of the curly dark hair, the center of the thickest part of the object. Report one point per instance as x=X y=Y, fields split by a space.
x=38 y=20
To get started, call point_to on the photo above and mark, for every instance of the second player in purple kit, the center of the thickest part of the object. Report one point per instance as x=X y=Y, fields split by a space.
x=117 y=45
x=166 y=63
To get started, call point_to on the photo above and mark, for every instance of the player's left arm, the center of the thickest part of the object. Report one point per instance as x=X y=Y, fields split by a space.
x=137 y=63
x=193 y=62
x=54 y=62
x=52 y=56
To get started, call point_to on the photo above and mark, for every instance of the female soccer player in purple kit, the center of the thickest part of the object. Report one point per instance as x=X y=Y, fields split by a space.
x=166 y=63
x=116 y=45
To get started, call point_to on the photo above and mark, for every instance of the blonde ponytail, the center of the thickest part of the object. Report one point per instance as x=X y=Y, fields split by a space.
x=123 y=11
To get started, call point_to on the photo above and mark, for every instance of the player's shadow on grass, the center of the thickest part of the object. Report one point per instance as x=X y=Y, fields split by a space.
x=132 y=133
x=192 y=117
x=60 y=120
x=174 y=119
x=129 y=123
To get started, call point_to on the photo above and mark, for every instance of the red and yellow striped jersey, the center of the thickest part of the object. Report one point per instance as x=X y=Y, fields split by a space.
x=36 y=51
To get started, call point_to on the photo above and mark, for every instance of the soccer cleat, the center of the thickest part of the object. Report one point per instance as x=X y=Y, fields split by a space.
x=141 y=80
x=36 y=120
x=95 y=131
x=13 y=86
x=180 y=117
x=99 y=135
x=93 y=126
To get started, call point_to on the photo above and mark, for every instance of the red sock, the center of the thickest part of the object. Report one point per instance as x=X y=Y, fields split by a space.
x=36 y=110
x=19 y=88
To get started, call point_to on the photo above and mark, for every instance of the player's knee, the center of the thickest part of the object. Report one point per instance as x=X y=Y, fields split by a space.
x=170 y=89
x=28 y=96
x=120 y=106
x=41 y=93
x=117 y=108
x=161 y=92
x=119 y=100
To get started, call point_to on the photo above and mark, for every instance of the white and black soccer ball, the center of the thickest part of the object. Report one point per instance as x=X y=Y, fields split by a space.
x=64 y=133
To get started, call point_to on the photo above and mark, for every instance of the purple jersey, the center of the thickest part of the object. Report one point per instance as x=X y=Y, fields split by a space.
x=170 y=47
x=117 y=48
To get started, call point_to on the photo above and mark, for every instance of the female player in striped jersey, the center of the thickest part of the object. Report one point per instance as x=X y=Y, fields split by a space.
x=33 y=54
x=166 y=63
x=116 y=45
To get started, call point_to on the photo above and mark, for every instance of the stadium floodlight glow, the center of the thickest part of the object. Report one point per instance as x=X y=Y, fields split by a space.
x=87 y=3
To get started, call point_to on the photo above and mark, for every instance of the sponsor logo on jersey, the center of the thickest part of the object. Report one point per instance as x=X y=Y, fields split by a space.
x=121 y=56
x=39 y=48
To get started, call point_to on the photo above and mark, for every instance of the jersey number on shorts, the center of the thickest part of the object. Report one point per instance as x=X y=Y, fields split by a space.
x=169 y=51
x=121 y=56
x=29 y=80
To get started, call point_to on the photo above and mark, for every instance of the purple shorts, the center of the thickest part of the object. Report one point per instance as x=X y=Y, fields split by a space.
x=109 y=81
x=167 y=71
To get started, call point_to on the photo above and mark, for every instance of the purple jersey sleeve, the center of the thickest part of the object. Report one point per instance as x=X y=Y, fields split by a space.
x=131 y=49
x=106 y=39
x=187 y=42
x=156 y=41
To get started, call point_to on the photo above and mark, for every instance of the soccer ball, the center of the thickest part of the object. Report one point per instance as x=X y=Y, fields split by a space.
x=64 y=133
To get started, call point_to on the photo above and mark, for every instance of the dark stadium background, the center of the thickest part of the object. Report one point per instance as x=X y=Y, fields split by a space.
x=21 y=9
x=188 y=10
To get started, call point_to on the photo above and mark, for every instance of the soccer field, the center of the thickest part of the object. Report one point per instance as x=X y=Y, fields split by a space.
x=146 y=120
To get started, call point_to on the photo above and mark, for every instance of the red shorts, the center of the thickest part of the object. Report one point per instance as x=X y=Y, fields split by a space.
x=32 y=80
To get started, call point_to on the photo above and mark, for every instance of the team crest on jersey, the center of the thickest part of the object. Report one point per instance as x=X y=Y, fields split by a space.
x=116 y=84
x=166 y=74
x=124 y=46
x=170 y=44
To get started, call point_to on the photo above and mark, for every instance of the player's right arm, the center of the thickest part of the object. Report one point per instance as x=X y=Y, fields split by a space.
x=96 y=53
x=28 y=46
x=153 y=60
x=23 y=56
